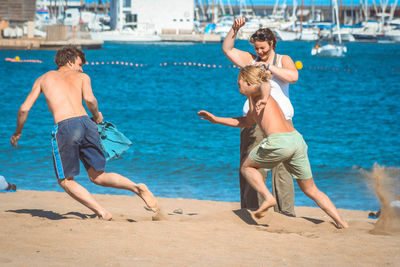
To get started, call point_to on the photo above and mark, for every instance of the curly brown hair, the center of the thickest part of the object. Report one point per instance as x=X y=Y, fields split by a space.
x=68 y=54
x=264 y=35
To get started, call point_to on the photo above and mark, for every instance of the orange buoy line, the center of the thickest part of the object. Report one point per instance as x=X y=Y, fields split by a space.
x=298 y=64
x=17 y=59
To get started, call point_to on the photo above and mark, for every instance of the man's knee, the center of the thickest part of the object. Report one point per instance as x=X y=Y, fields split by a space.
x=243 y=168
x=61 y=182
x=95 y=176
x=64 y=182
x=310 y=191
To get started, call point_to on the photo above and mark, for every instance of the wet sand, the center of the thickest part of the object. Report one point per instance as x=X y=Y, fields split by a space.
x=51 y=229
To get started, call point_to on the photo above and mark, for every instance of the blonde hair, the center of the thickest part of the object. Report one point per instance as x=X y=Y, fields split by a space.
x=254 y=75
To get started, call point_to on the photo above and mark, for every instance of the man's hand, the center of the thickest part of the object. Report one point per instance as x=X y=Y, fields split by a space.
x=260 y=105
x=14 y=139
x=238 y=23
x=205 y=115
x=262 y=64
x=99 y=118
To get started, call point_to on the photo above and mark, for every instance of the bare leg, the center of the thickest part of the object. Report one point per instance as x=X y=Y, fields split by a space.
x=116 y=180
x=310 y=189
x=79 y=193
x=255 y=179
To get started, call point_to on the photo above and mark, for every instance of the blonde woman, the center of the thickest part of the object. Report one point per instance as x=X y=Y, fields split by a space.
x=284 y=72
x=282 y=143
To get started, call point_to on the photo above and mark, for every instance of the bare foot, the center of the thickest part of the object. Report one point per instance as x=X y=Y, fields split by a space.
x=159 y=216
x=147 y=197
x=342 y=225
x=106 y=216
x=264 y=207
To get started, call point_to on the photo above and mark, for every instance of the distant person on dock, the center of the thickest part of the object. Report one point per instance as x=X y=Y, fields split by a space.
x=6 y=186
x=75 y=135
x=284 y=72
x=282 y=143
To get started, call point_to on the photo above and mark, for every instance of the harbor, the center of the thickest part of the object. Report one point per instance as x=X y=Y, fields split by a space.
x=44 y=24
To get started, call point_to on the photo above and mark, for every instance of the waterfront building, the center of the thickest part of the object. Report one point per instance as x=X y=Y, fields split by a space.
x=157 y=16
x=14 y=15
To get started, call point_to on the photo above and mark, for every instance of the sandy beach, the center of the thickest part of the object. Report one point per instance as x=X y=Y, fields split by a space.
x=51 y=229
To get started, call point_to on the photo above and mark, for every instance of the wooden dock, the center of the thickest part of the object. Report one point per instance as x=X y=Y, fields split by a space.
x=196 y=38
x=41 y=43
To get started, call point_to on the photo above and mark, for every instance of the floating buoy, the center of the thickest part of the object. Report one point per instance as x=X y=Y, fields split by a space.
x=19 y=60
x=299 y=65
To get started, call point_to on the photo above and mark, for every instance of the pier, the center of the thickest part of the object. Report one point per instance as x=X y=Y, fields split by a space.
x=41 y=43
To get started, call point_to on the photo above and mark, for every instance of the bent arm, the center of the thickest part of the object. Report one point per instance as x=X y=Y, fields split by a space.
x=90 y=99
x=238 y=57
x=288 y=73
x=241 y=122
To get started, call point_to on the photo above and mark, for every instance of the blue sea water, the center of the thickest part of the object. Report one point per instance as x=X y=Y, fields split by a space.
x=346 y=108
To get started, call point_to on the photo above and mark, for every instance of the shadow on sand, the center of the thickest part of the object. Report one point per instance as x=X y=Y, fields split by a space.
x=245 y=216
x=51 y=215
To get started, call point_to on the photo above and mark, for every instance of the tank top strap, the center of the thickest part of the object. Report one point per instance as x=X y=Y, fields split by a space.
x=274 y=61
x=255 y=60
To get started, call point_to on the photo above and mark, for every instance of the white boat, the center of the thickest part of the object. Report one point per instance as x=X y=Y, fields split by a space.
x=224 y=25
x=125 y=36
x=286 y=35
x=393 y=35
x=251 y=26
x=345 y=35
x=367 y=32
x=304 y=35
x=331 y=49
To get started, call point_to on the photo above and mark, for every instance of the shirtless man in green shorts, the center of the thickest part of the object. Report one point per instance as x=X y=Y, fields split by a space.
x=282 y=143
x=75 y=135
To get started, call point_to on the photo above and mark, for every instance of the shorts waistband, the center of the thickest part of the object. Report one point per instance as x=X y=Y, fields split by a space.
x=72 y=119
x=295 y=132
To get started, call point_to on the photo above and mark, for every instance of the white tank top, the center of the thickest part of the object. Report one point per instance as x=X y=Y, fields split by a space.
x=280 y=92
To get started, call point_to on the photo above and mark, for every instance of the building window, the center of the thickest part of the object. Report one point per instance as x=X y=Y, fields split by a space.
x=131 y=17
x=127 y=3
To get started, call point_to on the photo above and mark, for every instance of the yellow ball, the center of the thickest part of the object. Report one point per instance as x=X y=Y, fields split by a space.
x=299 y=65
x=17 y=58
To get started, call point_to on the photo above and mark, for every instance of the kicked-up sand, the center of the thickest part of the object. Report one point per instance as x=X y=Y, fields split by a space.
x=52 y=229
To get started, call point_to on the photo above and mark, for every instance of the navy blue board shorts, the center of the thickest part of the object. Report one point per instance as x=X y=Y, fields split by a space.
x=76 y=139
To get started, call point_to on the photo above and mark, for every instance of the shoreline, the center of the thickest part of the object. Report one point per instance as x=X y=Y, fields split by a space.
x=48 y=227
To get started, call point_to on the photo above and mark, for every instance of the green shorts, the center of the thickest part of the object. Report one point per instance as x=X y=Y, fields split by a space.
x=288 y=148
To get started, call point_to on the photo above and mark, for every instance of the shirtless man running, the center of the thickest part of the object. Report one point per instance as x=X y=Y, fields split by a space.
x=75 y=135
x=282 y=143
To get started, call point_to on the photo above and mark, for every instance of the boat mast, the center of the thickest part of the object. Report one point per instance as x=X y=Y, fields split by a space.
x=335 y=7
x=301 y=19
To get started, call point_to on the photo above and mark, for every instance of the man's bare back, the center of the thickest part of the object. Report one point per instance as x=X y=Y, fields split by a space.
x=63 y=91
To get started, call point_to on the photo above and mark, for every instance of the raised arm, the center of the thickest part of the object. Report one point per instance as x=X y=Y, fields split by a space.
x=238 y=57
x=241 y=122
x=90 y=99
x=24 y=111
